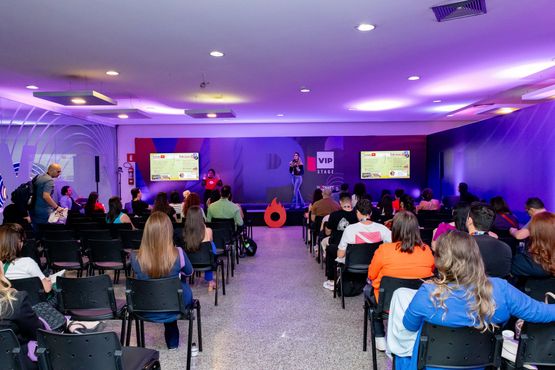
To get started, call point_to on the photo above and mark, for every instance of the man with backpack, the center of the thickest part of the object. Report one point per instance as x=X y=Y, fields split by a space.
x=43 y=188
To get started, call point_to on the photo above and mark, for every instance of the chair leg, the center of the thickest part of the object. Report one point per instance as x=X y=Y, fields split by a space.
x=341 y=288
x=216 y=290
x=189 y=342
x=223 y=276
x=199 y=328
x=138 y=331
x=335 y=283
x=373 y=340
x=123 y=328
x=365 y=330
x=129 y=328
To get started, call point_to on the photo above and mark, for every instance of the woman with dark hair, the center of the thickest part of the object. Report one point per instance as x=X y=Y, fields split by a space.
x=296 y=169
x=406 y=203
x=463 y=296
x=93 y=206
x=115 y=214
x=385 y=209
x=176 y=204
x=195 y=233
x=504 y=218
x=406 y=257
x=193 y=199
x=215 y=196
x=158 y=258
x=161 y=205
x=211 y=183
x=539 y=259
x=359 y=192
x=428 y=203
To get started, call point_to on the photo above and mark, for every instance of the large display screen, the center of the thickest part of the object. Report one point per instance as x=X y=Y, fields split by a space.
x=174 y=166
x=385 y=164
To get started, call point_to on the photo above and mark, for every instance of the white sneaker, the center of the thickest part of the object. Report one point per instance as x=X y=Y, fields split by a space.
x=328 y=284
x=380 y=344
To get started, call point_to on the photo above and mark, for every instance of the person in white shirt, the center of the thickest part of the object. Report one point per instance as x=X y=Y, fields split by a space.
x=364 y=231
x=12 y=237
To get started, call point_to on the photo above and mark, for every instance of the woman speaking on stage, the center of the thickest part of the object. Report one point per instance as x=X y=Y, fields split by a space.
x=296 y=169
x=210 y=182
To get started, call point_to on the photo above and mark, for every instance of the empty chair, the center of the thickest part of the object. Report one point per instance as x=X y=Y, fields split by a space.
x=158 y=296
x=96 y=351
x=98 y=234
x=224 y=247
x=88 y=226
x=536 y=288
x=65 y=254
x=536 y=345
x=10 y=351
x=51 y=227
x=115 y=229
x=131 y=239
x=107 y=255
x=59 y=235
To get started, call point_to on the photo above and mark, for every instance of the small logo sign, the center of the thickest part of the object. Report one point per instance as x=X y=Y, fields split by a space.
x=325 y=162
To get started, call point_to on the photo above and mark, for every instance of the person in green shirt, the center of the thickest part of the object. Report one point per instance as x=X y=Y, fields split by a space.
x=225 y=208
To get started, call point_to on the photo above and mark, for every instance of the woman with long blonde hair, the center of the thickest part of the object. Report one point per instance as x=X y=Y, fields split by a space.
x=159 y=258
x=462 y=295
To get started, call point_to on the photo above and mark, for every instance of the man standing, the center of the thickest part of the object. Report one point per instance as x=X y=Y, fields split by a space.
x=43 y=188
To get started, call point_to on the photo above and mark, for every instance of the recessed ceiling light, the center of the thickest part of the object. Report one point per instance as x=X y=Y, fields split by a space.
x=32 y=87
x=280 y=115
x=216 y=53
x=112 y=73
x=437 y=101
x=78 y=101
x=414 y=78
x=123 y=116
x=365 y=27
x=211 y=115
x=304 y=90
x=379 y=105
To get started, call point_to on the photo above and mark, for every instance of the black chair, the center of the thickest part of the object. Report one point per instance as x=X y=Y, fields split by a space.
x=427 y=234
x=357 y=260
x=89 y=226
x=536 y=345
x=536 y=288
x=65 y=254
x=205 y=260
x=91 y=299
x=380 y=310
x=131 y=239
x=96 y=351
x=31 y=249
x=315 y=231
x=115 y=229
x=52 y=227
x=460 y=348
x=229 y=224
x=107 y=255
x=157 y=296
x=10 y=351
x=223 y=240
x=33 y=287
x=98 y=234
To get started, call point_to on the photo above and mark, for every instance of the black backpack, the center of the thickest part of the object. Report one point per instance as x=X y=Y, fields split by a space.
x=23 y=196
x=250 y=246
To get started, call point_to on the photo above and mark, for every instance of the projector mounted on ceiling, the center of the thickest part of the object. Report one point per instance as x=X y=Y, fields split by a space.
x=460 y=9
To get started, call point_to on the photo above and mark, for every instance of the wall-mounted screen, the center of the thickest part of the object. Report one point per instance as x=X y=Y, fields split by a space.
x=174 y=166
x=393 y=164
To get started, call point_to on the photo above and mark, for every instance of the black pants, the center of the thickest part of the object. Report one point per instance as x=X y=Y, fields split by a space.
x=379 y=329
x=331 y=255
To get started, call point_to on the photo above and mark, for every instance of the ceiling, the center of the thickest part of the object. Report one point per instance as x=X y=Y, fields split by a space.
x=272 y=49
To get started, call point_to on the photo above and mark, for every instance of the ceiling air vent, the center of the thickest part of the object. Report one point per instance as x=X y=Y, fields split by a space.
x=460 y=9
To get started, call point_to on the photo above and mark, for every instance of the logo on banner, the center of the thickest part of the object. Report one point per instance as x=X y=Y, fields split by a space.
x=325 y=162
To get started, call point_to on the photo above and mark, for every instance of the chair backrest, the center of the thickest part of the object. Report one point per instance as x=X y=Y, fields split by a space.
x=128 y=236
x=59 y=235
x=95 y=351
x=204 y=257
x=88 y=226
x=52 y=227
x=115 y=229
x=222 y=237
x=536 y=345
x=63 y=251
x=110 y=250
x=360 y=254
x=9 y=350
x=99 y=234
x=86 y=293
x=461 y=348
x=536 y=288
x=30 y=249
x=33 y=287
x=219 y=223
x=388 y=286
x=154 y=295
x=427 y=234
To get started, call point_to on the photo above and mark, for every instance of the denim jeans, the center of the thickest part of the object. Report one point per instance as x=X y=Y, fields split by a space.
x=297 y=200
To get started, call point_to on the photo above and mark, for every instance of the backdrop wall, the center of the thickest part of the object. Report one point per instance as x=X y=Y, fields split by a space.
x=512 y=156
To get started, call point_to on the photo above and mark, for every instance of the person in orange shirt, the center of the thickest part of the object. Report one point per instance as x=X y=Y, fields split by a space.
x=407 y=257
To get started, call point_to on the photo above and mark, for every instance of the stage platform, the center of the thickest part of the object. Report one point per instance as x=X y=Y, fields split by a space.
x=254 y=212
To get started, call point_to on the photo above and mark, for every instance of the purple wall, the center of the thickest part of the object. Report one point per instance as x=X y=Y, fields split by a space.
x=512 y=156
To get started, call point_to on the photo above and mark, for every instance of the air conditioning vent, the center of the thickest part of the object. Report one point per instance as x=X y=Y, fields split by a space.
x=460 y=9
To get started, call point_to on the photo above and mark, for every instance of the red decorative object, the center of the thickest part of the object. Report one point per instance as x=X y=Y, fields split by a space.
x=275 y=207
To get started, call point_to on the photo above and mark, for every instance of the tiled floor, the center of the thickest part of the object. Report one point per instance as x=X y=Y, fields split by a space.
x=276 y=315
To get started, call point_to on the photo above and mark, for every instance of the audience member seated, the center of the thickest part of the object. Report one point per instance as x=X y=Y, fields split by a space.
x=224 y=208
x=161 y=205
x=158 y=258
x=496 y=254
x=384 y=209
x=115 y=213
x=396 y=203
x=460 y=215
x=67 y=201
x=139 y=206
x=504 y=218
x=538 y=261
x=16 y=213
x=176 y=204
x=407 y=257
x=192 y=199
x=215 y=196
x=316 y=196
x=195 y=233
x=428 y=203
x=406 y=203
x=93 y=206
x=465 y=195
x=359 y=192
x=364 y=231
x=324 y=206
x=533 y=207
x=338 y=221
x=12 y=237
x=17 y=314
x=462 y=295
x=344 y=188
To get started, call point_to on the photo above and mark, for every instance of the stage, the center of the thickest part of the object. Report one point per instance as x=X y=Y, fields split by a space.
x=254 y=212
